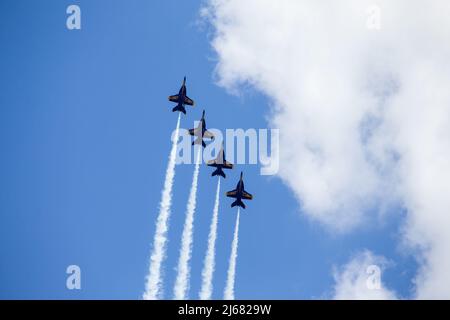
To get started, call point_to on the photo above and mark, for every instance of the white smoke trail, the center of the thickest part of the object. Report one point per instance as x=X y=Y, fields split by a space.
x=153 y=286
x=229 y=288
x=182 y=281
x=209 y=263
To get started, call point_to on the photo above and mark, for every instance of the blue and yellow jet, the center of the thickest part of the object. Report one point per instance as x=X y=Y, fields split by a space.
x=239 y=193
x=220 y=163
x=181 y=99
x=201 y=132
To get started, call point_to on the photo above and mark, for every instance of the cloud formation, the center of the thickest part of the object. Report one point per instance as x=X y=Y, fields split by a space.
x=364 y=114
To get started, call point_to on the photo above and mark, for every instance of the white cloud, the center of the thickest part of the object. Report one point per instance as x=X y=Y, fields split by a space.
x=364 y=115
x=361 y=279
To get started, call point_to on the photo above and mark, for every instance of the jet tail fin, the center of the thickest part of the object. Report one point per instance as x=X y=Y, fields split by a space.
x=239 y=203
x=218 y=172
x=179 y=108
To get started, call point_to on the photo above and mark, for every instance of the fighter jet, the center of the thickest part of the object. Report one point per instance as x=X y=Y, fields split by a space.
x=220 y=163
x=181 y=99
x=239 y=193
x=200 y=132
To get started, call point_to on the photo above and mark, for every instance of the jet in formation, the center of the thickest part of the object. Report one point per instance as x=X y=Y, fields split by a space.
x=239 y=193
x=181 y=99
x=201 y=132
x=220 y=163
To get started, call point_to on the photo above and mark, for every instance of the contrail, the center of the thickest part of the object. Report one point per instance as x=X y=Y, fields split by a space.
x=209 y=263
x=229 y=288
x=181 y=287
x=153 y=286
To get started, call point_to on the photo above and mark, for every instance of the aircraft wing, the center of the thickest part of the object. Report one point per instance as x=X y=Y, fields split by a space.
x=208 y=135
x=174 y=98
x=188 y=101
x=192 y=132
x=232 y=194
x=215 y=162
x=197 y=131
x=246 y=195
x=227 y=165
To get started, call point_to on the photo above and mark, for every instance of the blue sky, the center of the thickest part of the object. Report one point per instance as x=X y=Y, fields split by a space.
x=85 y=127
